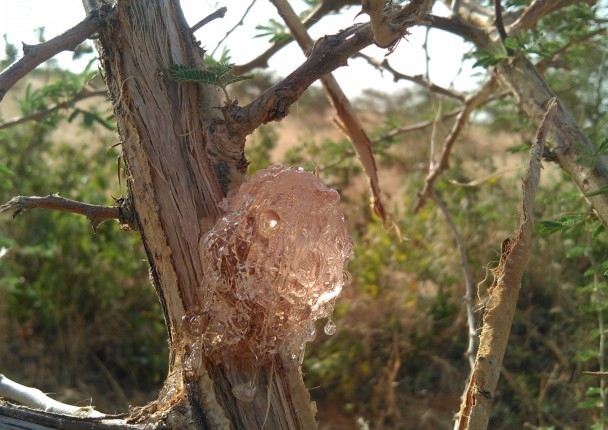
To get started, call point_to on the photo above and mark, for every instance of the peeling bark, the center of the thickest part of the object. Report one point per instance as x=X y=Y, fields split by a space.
x=503 y=293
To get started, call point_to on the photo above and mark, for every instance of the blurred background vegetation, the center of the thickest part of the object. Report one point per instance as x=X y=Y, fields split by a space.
x=79 y=318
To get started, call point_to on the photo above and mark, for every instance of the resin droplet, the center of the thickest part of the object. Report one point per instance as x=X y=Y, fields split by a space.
x=273 y=265
x=330 y=327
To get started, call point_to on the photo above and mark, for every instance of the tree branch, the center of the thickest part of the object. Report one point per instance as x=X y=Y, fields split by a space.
x=237 y=25
x=503 y=294
x=84 y=93
x=417 y=79
x=35 y=55
x=471 y=103
x=206 y=20
x=349 y=122
x=469 y=295
x=34 y=398
x=538 y=9
x=16 y=417
x=388 y=20
x=94 y=213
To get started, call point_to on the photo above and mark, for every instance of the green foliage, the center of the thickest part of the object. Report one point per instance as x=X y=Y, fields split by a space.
x=218 y=74
x=10 y=53
x=276 y=30
x=66 y=291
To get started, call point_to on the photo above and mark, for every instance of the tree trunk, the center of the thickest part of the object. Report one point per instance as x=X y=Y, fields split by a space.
x=180 y=160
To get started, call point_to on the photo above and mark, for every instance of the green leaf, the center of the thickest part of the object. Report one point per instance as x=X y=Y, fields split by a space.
x=218 y=75
x=486 y=58
x=181 y=73
x=601 y=190
x=518 y=148
x=563 y=223
x=511 y=43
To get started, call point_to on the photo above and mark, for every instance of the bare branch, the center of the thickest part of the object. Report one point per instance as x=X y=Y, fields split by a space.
x=84 y=93
x=417 y=79
x=468 y=278
x=538 y=9
x=34 y=398
x=16 y=417
x=327 y=54
x=94 y=213
x=500 y=26
x=206 y=20
x=237 y=25
x=471 y=103
x=455 y=26
x=35 y=55
x=503 y=294
x=349 y=121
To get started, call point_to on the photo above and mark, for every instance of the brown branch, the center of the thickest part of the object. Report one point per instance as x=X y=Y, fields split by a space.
x=537 y=10
x=500 y=26
x=94 y=213
x=417 y=79
x=206 y=20
x=315 y=16
x=503 y=293
x=349 y=121
x=34 y=55
x=327 y=54
x=455 y=26
x=84 y=93
x=387 y=20
x=471 y=103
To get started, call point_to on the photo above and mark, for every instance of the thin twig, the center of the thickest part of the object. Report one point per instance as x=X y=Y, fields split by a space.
x=206 y=20
x=468 y=278
x=84 y=93
x=599 y=300
x=471 y=103
x=237 y=25
x=415 y=127
x=94 y=213
x=533 y=13
x=417 y=79
x=34 y=55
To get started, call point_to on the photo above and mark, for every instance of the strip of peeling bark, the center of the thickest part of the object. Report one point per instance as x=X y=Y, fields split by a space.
x=503 y=294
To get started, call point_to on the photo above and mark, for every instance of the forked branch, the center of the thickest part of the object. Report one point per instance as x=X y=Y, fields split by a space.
x=471 y=103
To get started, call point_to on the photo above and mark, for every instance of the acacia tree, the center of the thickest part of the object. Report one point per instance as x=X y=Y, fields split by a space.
x=183 y=148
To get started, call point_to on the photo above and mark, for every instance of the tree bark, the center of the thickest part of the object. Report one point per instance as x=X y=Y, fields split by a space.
x=180 y=160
